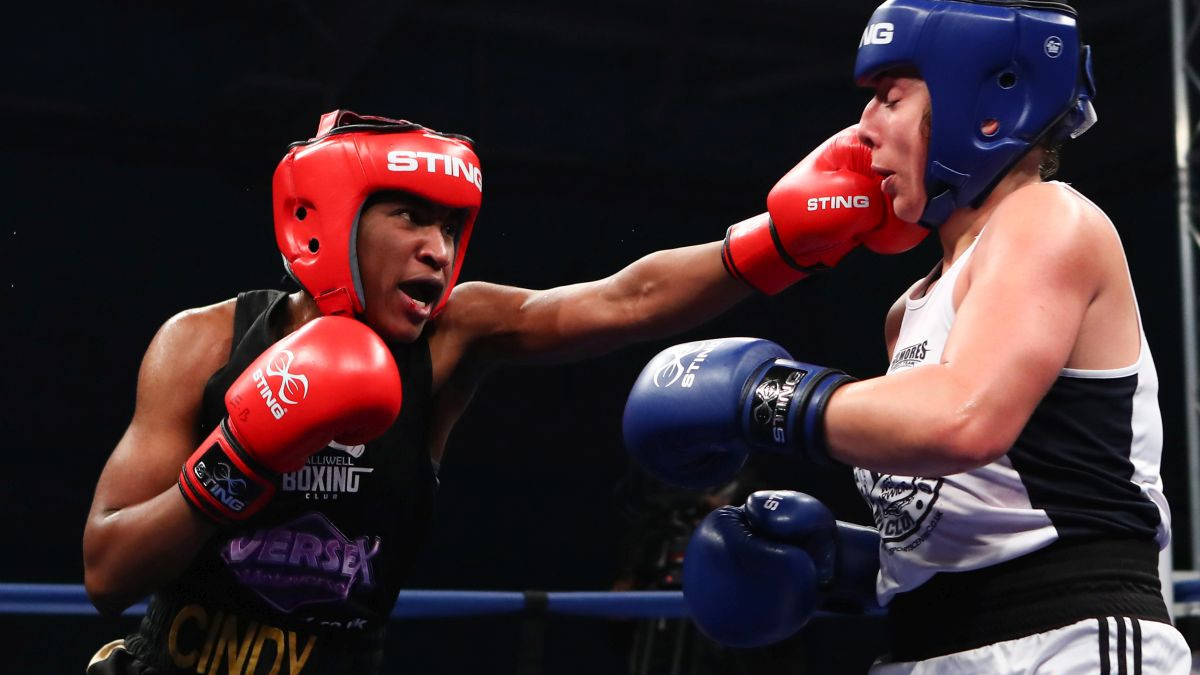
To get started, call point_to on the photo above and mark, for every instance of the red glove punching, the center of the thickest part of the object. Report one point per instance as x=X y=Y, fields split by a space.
x=823 y=208
x=334 y=379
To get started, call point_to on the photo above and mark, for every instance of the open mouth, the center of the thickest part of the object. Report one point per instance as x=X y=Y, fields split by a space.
x=887 y=180
x=424 y=292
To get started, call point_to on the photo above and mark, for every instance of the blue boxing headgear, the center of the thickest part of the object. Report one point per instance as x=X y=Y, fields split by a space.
x=1019 y=64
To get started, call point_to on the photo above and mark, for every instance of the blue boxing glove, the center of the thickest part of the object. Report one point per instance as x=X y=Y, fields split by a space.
x=698 y=408
x=754 y=574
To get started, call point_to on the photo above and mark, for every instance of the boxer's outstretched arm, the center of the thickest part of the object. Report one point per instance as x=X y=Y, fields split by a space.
x=140 y=533
x=663 y=293
x=821 y=210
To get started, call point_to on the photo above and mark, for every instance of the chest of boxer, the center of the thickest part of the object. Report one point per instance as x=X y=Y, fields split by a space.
x=308 y=583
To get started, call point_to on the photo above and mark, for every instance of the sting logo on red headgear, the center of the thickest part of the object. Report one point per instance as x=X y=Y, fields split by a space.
x=321 y=184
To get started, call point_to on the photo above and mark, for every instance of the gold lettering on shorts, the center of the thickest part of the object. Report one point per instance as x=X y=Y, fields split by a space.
x=265 y=633
x=196 y=613
x=295 y=663
x=202 y=666
x=233 y=652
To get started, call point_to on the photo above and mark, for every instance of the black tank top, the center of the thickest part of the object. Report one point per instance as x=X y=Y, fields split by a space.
x=307 y=584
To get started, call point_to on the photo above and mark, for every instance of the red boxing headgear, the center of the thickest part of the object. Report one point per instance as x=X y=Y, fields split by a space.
x=321 y=185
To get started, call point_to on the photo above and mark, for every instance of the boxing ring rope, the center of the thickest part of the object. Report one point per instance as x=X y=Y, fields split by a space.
x=535 y=611
x=71 y=600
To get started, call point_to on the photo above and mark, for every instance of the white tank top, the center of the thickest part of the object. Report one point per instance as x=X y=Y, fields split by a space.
x=1085 y=466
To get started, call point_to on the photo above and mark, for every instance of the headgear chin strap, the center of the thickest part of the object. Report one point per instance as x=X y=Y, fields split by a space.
x=1019 y=65
x=321 y=184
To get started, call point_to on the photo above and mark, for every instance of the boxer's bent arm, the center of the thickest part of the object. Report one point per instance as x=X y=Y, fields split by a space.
x=663 y=293
x=140 y=533
x=1033 y=276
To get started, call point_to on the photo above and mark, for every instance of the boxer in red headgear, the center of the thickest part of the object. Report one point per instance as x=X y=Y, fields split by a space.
x=323 y=184
x=309 y=425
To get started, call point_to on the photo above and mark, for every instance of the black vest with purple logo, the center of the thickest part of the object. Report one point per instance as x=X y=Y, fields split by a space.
x=307 y=584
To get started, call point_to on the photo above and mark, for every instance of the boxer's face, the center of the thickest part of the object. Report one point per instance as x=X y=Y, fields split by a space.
x=895 y=124
x=405 y=253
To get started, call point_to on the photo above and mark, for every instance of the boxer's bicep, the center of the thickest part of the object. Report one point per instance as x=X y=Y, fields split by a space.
x=139 y=532
x=163 y=432
x=1027 y=289
x=517 y=325
x=1022 y=297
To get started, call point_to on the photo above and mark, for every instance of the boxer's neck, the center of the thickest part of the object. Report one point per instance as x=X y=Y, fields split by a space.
x=965 y=224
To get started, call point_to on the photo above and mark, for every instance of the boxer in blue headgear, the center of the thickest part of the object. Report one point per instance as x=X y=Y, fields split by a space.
x=1003 y=77
x=1011 y=455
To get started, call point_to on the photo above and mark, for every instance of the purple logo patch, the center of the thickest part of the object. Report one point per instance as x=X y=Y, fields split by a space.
x=303 y=562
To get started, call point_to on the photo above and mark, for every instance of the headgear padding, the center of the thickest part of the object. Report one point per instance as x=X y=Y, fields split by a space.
x=1020 y=64
x=321 y=185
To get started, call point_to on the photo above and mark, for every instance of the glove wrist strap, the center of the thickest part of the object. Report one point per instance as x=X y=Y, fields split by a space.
x=786 y=408
x=752 y=253
x=223 y=482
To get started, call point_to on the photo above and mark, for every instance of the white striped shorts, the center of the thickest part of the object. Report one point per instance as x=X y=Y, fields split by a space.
x=1108 y=646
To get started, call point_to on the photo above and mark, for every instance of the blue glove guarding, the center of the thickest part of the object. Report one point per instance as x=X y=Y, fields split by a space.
x=698 y=408
x=753 y=575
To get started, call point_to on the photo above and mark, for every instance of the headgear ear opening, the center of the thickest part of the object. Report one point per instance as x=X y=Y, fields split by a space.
x=322 y=184
x=1002 y=76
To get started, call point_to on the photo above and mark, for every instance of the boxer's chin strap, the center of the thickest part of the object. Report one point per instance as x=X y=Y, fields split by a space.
x=329 y=303
x=335 y=302
x=941 y=197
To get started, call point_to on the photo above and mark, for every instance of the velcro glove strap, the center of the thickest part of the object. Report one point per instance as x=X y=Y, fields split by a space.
x=223 y=482
x=785 y=409
x=754 y=255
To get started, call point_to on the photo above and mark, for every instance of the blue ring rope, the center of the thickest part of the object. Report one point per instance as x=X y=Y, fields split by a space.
x=71 y=600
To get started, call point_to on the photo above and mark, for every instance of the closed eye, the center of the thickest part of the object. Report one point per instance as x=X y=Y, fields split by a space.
x=885 y=98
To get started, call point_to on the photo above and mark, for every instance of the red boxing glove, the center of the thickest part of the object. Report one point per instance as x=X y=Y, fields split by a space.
x=822 y=209
x=334 y=379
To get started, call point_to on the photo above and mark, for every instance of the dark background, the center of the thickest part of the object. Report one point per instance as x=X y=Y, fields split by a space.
x=139 y=141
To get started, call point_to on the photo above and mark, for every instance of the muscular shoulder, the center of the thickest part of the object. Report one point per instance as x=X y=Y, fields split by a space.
x=1048 y=218
x=200 y=335
x=1046 y=228
x=479 y=307
x=476 y=314
x=479 y=310
x=188 y=349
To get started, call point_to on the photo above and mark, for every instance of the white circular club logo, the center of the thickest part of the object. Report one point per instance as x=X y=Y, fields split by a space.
x=1053 y=46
